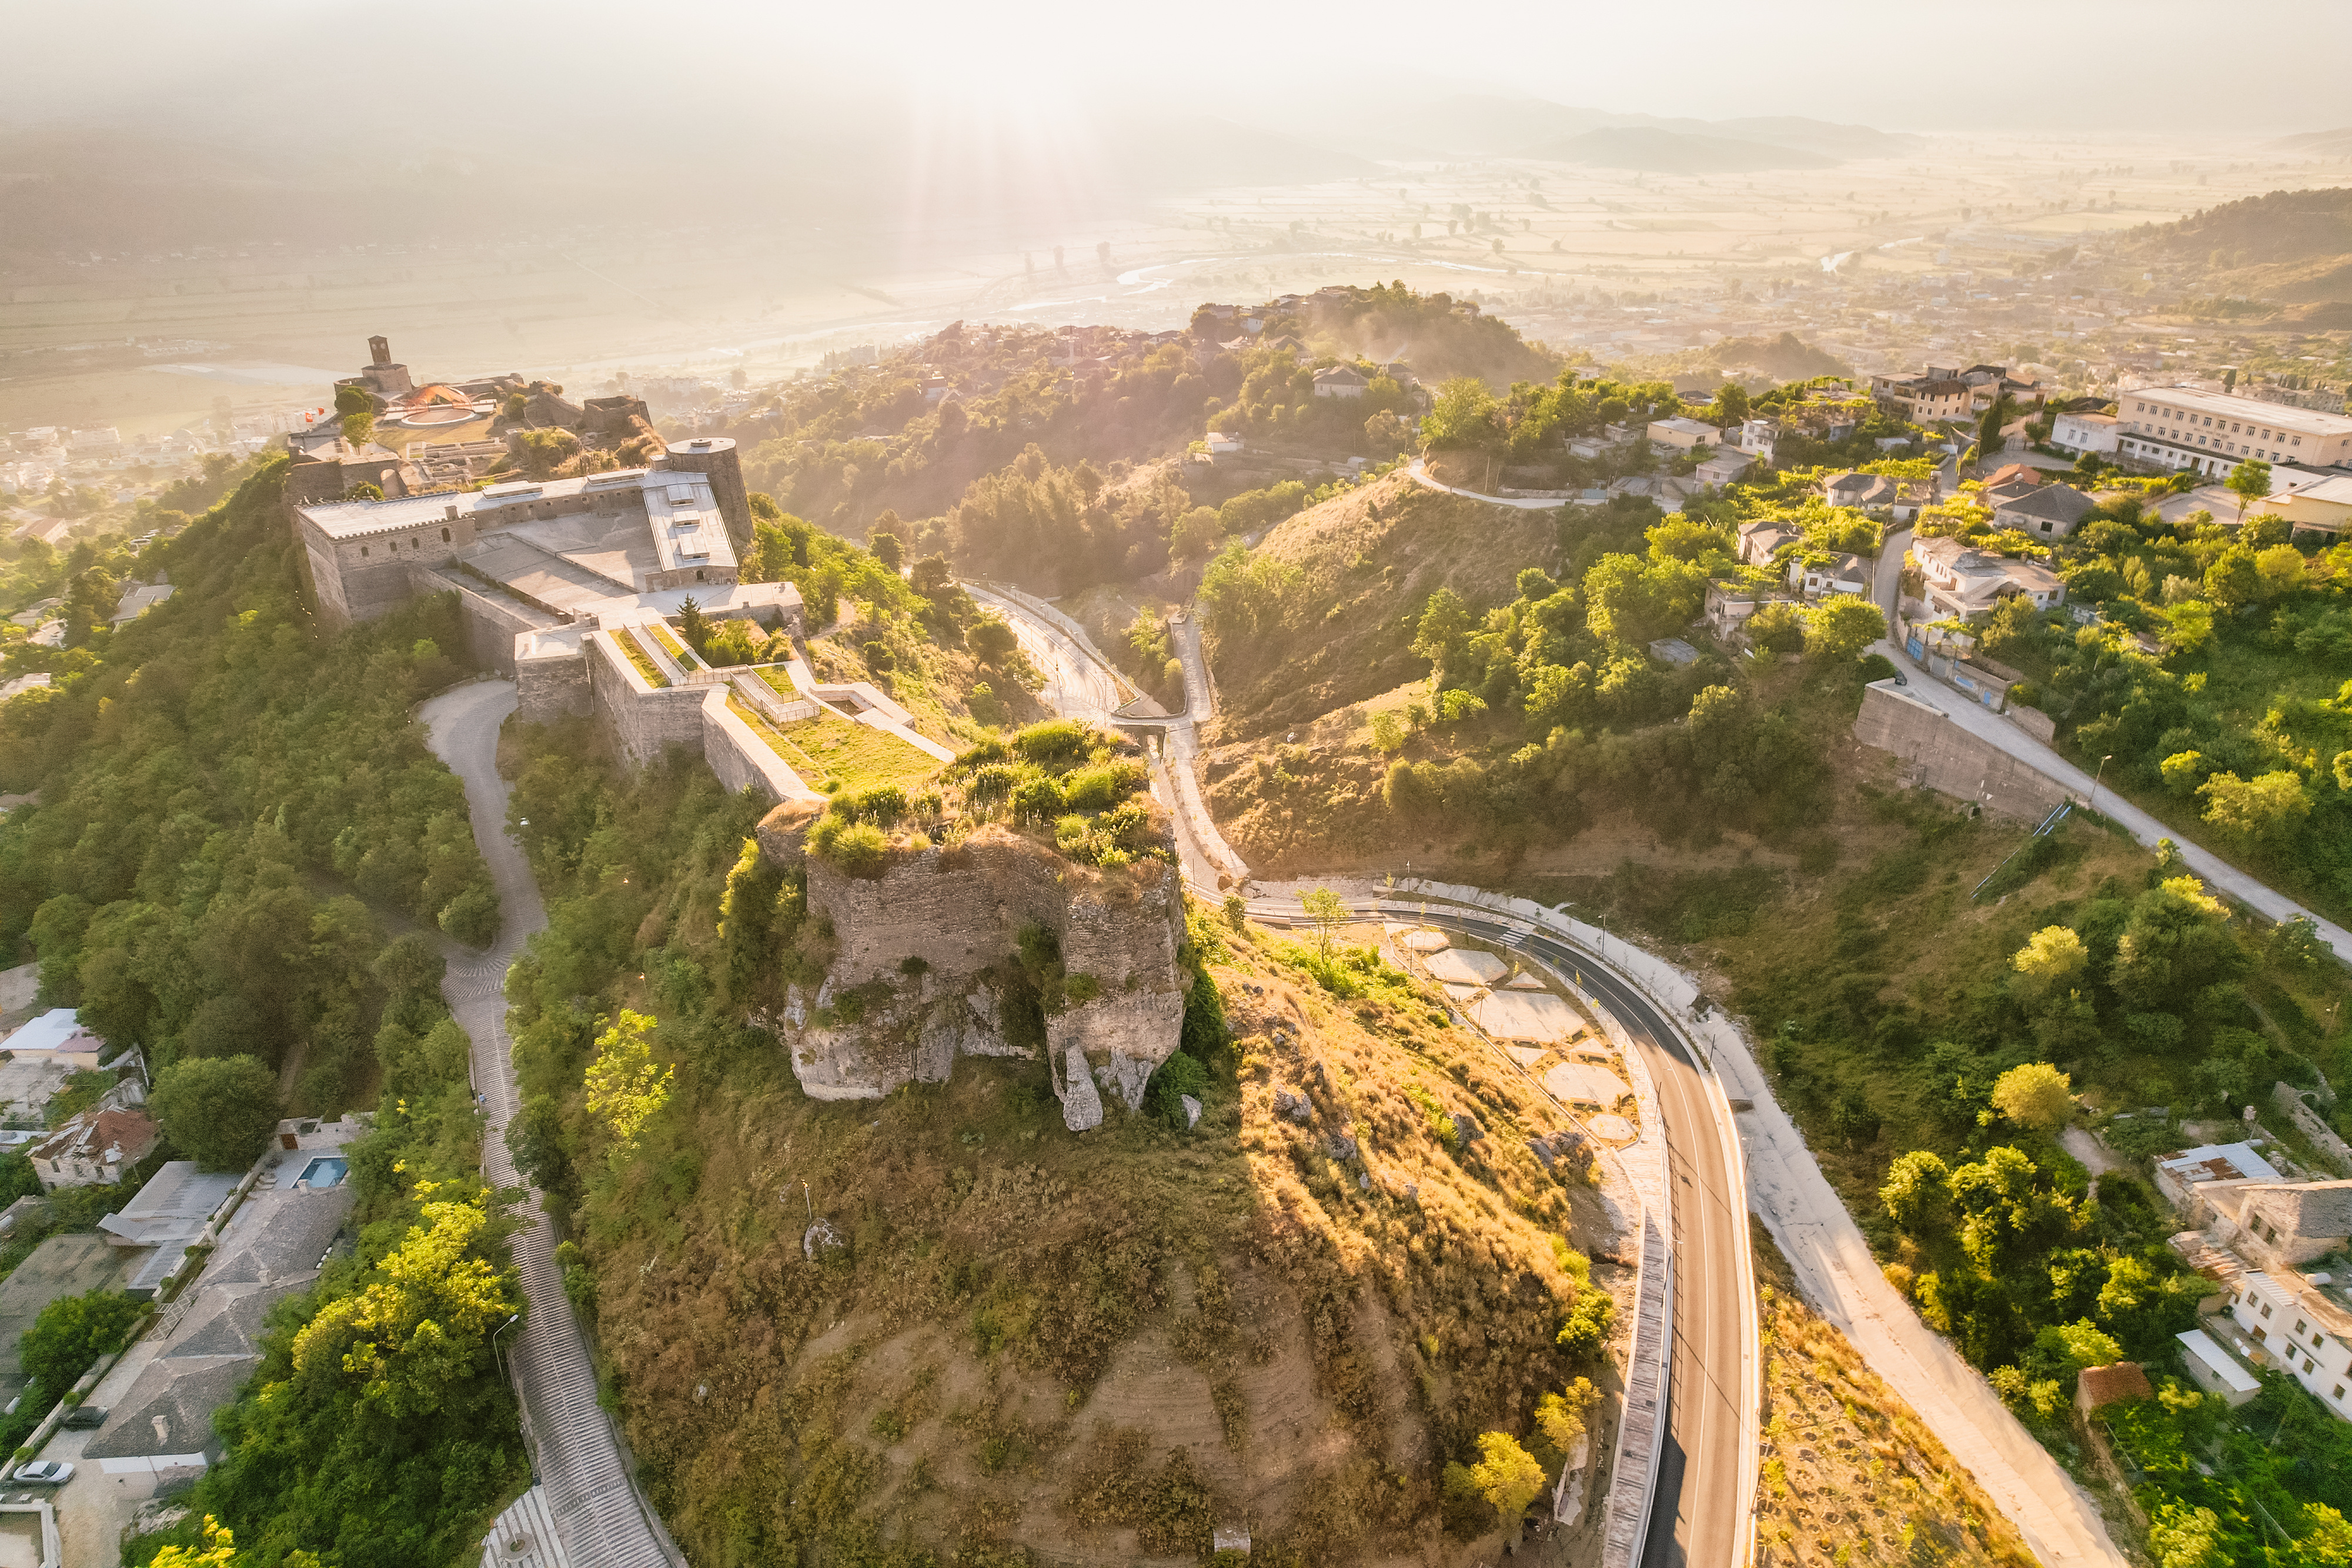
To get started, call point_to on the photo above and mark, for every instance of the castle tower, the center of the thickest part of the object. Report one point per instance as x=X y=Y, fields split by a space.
x=381 y=375
x=713 y=456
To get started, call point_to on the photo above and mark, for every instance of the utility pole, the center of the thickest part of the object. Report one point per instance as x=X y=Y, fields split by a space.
x=2101 y=773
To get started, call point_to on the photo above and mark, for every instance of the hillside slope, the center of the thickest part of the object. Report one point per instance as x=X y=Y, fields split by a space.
x=1350 y=578
x=2294 y=247
x=939 y=1327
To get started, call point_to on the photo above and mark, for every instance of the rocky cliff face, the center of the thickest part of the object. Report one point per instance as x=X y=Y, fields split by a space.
x=927 y=967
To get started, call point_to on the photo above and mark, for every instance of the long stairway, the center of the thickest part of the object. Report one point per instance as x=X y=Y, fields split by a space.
x=601 y=1518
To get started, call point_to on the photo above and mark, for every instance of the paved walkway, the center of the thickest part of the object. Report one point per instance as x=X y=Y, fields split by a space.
x=600 y=1517
x=1536 y=504
x=1973 y=717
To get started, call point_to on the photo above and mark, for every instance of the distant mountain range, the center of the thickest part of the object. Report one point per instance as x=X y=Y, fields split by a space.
x=1400 y=127
x=2316 y=143
x=1651 y=151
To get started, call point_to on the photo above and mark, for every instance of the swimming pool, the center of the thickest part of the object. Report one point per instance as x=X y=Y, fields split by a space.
x=325 y=1171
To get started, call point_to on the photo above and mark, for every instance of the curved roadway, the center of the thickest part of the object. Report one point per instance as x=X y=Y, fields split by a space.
x=577 y=1453
x=1696 y=1518
x=1698 y=1512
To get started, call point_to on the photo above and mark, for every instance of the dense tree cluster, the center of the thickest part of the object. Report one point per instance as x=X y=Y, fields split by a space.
x=2217 y=676
x=203 y=780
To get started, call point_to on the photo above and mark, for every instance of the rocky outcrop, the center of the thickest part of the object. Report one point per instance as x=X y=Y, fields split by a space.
x=925 y=953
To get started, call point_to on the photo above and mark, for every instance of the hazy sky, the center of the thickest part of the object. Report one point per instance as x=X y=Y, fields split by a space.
x=262 y=66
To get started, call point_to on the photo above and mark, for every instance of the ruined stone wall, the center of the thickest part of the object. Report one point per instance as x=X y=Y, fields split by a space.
x=1936 y=753
x=960 y=911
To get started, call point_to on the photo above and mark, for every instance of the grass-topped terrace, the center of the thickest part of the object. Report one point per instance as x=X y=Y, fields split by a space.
x=1080 y=788
x=635 y=651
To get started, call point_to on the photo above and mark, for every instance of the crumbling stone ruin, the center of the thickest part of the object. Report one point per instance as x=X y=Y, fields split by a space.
x=990 y=943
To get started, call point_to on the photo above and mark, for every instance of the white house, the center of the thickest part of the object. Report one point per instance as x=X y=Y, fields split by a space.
x=1971 y=584
x=1839 y=574
x=1684 y=433
x=1340 y=380
x=2081 y=433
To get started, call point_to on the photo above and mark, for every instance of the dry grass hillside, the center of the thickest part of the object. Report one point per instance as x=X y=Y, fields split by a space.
x=1365 y=563
x=1029 y=1346
x=1851 y=1473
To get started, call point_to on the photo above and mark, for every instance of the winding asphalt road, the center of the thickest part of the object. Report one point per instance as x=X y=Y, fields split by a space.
x=1697 y=1520
x=603 y=1518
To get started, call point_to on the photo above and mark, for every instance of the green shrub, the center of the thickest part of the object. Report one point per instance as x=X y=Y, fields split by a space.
x=1180 y=1075
x=1099 y=787
x=1055 y=740
x=857 y=849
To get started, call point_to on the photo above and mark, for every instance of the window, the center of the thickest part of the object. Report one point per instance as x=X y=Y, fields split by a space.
x=363 y=549
x=445 y=536
x=2299 y=1325
x=2306 y=1364
x=2266 y=1310
x=2338 y=1392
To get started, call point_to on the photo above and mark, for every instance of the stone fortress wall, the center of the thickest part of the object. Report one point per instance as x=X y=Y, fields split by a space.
x=961 y=912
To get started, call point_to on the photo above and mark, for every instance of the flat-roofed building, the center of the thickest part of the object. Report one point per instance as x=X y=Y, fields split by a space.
x=555 y=542
x=2184 y=427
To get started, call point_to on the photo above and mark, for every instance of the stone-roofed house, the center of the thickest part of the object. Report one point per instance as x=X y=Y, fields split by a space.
x=273 y=1247
x=1759 y=542
x=1340 y=380
x=2295 y=1223
x=1970 y=584
x=1899 y=498
x=1683 y=433
x=1838 y=573
x=2048 y=511
x=94 y=1149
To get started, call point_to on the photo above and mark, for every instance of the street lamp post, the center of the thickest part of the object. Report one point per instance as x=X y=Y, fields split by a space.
x=2101 y=773
x=494 y=1342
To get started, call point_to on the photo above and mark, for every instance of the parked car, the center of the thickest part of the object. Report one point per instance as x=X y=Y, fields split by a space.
x=44 y=1473
x=82 y=1417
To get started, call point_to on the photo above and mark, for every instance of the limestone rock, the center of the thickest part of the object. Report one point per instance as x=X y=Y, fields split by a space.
x=1466 y=1129
x=1191 y=1112
x=1127 y=1076
x=1343 y=1147
x=1294 y=1107
x=1081 y=1106
x=819 y=1235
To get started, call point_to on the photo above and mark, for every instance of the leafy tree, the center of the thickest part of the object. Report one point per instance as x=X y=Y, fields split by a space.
x=1918 y=1194
x=70 y=1334
x=2265 y=808
x=1506 y=1475
x=1561 y=1416
x=2007 y=1209
x=991 y=641
x=2186 y=1536
x=217 y=1111
x=1841 y=626
x=1444 y=624
x=2049 y=961
x=2249 y=481
x=2034 y=1094
x=888 y=546
x=1329 y=911
x=2173 y=945
x=625 y=1085
x=1463 y=416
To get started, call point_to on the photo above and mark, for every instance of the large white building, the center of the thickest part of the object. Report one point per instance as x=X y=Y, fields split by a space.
x=2181 y=427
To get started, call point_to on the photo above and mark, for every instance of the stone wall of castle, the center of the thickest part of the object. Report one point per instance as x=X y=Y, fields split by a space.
x=960 y=911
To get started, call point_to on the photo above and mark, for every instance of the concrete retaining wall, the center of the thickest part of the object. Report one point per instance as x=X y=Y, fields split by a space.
x=1936 y=753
